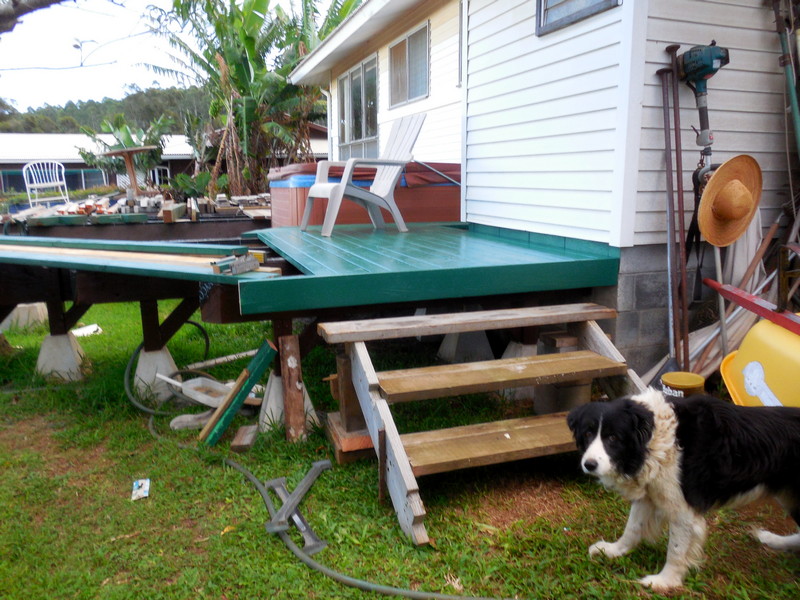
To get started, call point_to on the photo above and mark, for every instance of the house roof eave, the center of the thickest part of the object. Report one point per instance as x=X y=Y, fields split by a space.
x=365 y=22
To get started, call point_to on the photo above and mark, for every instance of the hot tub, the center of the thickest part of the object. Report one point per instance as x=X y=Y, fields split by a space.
x=422 y=195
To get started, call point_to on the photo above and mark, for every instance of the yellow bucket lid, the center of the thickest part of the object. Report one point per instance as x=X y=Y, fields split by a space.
x=683 y=380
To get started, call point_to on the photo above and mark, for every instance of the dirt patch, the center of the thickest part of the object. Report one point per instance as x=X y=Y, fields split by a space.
x=36 y=435
x=525 y=501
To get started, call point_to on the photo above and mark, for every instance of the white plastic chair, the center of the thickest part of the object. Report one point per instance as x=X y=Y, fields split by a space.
x=43 y=176
x=390 y=165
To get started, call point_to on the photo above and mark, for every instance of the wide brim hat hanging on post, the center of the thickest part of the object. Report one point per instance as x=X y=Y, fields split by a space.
x=729 y=200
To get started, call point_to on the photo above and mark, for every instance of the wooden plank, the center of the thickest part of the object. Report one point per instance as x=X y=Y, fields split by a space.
x=292 y=379
x=439 y=381
x=487 y=443
x=400 y=480
x=127 y=245
x=399 y=327
x=131 y=263
x=245 y=438
x=592 y=337
x=174 y=212
x=231 y=404
x=350 y=410
x=113 y=255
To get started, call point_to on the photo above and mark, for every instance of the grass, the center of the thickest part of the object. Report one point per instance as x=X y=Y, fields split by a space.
x=68 y=529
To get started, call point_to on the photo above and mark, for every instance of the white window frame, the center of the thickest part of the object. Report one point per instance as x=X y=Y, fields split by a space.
x=567 y=12
x=366 y=145
x=405 y=39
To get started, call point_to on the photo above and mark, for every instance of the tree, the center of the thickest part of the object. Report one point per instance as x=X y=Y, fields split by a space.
x=242 y=55
x=12 y=10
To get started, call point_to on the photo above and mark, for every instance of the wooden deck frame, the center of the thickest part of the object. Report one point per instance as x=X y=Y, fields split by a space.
x=396 y=470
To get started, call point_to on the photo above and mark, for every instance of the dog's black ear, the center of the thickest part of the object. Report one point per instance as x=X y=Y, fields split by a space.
x=643 y=421
x=575 y=416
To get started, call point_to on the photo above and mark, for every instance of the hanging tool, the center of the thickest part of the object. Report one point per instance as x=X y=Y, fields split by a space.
x=681 y=293
x=673 y=304
x=696 y=66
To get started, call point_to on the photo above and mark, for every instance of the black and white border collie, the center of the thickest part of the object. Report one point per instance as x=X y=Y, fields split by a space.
x=675 y=459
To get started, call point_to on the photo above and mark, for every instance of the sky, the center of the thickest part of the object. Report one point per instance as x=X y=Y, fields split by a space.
x=39 y=65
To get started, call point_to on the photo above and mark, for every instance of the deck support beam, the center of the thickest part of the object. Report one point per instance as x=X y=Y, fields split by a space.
x=155 y=357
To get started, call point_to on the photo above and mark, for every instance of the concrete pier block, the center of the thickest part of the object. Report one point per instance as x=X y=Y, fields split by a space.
x=61 y=357
x=25 y=315
x=149 y=364
x=467 y=346
x=519 y=350
x=272 y=406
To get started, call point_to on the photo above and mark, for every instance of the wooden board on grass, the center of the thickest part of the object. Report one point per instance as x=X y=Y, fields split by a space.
x=233 y=401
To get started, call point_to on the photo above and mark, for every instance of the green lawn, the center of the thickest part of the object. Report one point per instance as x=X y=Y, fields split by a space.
x=69 y=454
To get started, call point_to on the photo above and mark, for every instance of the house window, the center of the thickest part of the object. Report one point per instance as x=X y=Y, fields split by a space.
x=556 y=14
x=408 y=67
x=358 y=111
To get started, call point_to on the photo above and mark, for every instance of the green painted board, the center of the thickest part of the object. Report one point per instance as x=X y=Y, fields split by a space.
x=118 y=218
x=361 y=250
x=124 y=245
x=128 y=267
x=57 y=220
x=308 y=292
x=256 y=367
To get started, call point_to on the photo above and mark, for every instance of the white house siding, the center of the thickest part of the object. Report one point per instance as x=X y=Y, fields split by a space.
x=440 y=138
x=543 y=121
x=745 y=99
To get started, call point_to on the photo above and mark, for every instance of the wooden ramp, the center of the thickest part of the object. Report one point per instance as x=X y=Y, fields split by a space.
x=403 y=458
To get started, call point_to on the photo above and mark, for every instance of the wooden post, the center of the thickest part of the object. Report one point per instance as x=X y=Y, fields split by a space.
x=292 y=378
x=349 y=408
x=280 y=328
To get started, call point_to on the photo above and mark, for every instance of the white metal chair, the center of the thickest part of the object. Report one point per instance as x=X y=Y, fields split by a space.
x=44 y=176
x=159 y=175
x=390 y=165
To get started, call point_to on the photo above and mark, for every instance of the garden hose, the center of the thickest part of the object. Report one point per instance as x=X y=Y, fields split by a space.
x=302 y=555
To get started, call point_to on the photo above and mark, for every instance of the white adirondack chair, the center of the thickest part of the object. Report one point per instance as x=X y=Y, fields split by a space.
x=390 y=165
x=43 y=176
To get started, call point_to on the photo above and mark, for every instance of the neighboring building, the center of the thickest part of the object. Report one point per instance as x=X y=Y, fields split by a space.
x=554 y=110
x=17 y=149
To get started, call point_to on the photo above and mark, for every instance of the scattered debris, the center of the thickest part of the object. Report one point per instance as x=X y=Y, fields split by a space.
x=141 y=489
x=87 y=330
x=233 y=265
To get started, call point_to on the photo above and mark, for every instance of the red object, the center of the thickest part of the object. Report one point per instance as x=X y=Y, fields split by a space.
x=763 y=308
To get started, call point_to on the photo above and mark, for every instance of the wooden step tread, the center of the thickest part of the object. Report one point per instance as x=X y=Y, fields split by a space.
x=487 y=376
x=487 y=443
x=483 y=320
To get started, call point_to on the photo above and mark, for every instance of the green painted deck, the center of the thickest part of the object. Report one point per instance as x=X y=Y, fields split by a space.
x=356 y=266
x=360 y=266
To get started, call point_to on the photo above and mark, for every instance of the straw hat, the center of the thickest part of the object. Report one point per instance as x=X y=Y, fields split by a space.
x=730 y=200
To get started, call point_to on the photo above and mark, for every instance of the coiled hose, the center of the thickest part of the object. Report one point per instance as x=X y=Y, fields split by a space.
x=126 y=382
x=284 y=536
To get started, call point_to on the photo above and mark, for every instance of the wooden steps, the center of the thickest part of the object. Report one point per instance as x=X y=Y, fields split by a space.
x=404 y=457
x=441 y=381
x=484 y=444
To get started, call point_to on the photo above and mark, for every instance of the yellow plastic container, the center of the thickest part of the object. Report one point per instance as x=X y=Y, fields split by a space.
x=764 y=371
